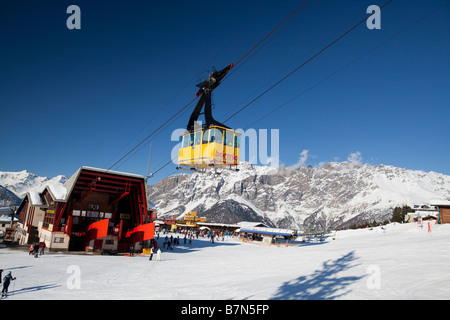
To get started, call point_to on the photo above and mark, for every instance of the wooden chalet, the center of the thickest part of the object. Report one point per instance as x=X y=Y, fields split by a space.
x=443 y=206
x=94 y=210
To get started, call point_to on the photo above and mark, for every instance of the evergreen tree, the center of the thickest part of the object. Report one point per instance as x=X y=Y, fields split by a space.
x=399 y=213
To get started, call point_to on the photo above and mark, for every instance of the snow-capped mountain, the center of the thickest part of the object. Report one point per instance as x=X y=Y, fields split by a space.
x=19 y=183
x=7 y=198
x=331 y=196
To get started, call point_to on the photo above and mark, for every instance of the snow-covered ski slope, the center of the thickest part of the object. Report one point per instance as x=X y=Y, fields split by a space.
x=400 y=262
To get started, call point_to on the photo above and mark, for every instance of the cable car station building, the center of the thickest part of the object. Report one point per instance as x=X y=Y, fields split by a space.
x=94 y=210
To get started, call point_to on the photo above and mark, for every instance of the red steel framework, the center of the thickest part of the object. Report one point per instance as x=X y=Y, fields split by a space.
x=117 y=186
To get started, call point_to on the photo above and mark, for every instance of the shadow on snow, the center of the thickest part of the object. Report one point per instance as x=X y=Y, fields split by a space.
x=32 y=289
x=324 y=283
x=197 y=244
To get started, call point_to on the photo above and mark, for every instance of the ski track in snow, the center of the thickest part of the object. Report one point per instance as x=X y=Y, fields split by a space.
x=411 y=263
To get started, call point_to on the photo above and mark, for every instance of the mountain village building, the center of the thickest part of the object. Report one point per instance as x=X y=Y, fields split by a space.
x=443 y=208
x=94 y=210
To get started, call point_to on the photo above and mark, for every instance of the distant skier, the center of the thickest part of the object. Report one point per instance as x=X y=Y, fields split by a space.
x=6 y=281
x=1 y=271
x=151 y=254
x=158 y=255
x=42 y=247
x=36 y=250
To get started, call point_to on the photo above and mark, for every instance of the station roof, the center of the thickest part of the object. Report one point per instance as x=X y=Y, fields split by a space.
x=273 y=231
x=223 y=225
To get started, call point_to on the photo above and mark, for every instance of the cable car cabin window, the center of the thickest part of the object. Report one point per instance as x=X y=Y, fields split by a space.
x=198 y=138
x=228 y=139
x=186 y=141
x=205 y=138
x=191 y=142
x=237 y=141
x=215 y=136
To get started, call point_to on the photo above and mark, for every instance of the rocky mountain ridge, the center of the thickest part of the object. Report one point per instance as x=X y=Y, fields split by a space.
x=328 y=197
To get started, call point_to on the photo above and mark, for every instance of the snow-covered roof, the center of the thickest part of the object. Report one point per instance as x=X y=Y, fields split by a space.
x=113 y=172
x=440 y=203
x=58 y=192
x=424 y=213
x=244 y=224
x=212 y=224
x=35 y=198
x=5 y=218
x=273 y=231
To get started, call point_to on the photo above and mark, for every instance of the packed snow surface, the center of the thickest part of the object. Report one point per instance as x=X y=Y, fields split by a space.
x=401 y=261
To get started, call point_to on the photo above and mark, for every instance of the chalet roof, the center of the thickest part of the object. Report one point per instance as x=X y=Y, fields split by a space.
x=440 y=203
x=58 y=192
x=35 y=198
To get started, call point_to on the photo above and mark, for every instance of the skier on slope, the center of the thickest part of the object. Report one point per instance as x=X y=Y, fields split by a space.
x=151 y=253
x=6 y=281
x=36 y=250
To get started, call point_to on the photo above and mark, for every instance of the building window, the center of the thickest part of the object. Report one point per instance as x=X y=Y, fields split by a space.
x=76 y=213
x=92 y=214
x=48 y=219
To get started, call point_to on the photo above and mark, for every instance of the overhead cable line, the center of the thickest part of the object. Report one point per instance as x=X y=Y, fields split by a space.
x=243 y=57
x=268 y=35
x=303 y=64
x=349 y=63
x=260 y=42
x=296 y=69
x=340 y=69
x=152 y=134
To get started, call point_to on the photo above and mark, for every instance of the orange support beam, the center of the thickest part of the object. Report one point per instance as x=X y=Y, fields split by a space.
x=123 y=195
x=97 y=230
x=142 y=233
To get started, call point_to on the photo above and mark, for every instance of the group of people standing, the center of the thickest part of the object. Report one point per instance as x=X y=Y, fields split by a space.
x=155 y=250
x=37 y=249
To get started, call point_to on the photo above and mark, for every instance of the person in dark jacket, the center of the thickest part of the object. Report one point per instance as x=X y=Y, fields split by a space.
x=36 y=250
x=42 y=247
x=6 y=281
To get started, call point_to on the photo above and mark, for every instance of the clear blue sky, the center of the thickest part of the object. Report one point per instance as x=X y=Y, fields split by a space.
x=71 y=98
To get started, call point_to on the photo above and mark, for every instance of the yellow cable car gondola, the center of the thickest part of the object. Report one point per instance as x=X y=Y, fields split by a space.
x=212 y=145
